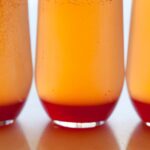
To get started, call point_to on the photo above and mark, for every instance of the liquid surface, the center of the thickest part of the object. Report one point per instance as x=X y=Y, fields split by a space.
x=80 y=51
x=15 y=56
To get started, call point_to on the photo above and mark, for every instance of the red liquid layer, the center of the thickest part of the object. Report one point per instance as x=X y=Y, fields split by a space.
x=143 y=110
x=10 y=112
x=79 y=113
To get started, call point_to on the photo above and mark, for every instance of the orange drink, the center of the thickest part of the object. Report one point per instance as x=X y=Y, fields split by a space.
x=138 y=72
x=15 y=58
x=79 y=70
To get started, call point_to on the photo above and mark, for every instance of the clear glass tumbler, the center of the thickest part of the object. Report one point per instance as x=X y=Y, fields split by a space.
x=138 y=67
x=15 y=58
x=80 y=67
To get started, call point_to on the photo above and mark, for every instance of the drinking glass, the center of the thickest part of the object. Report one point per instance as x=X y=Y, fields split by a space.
x=15 y=58
x=79 y=67
x=138 y=67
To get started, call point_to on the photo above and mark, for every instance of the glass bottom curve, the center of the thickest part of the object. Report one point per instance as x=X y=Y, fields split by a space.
x=79 y=114
x=6 y=122
x=77 y=125
x=143 y=110
x=10 y=112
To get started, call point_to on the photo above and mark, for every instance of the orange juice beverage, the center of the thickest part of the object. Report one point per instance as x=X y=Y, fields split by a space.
x=138 y=68
x=79 y=70
x=15 y=58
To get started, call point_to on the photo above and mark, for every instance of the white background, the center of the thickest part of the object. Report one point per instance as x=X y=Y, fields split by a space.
x=33 y=119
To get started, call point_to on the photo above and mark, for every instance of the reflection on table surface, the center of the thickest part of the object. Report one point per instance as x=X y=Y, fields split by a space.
x=12 y=138
x=58 y=138
x=140 y=138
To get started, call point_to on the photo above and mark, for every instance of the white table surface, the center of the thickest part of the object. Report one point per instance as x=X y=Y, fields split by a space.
x=123 y=131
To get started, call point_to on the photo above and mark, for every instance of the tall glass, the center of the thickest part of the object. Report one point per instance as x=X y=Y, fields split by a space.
x=138 y=68
x=79 y=70
x=15 y=58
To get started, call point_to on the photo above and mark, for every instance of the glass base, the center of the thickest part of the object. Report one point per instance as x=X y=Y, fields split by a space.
x=79 y=114
x=6 y=122
x=147 y=124
x=77 y=125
